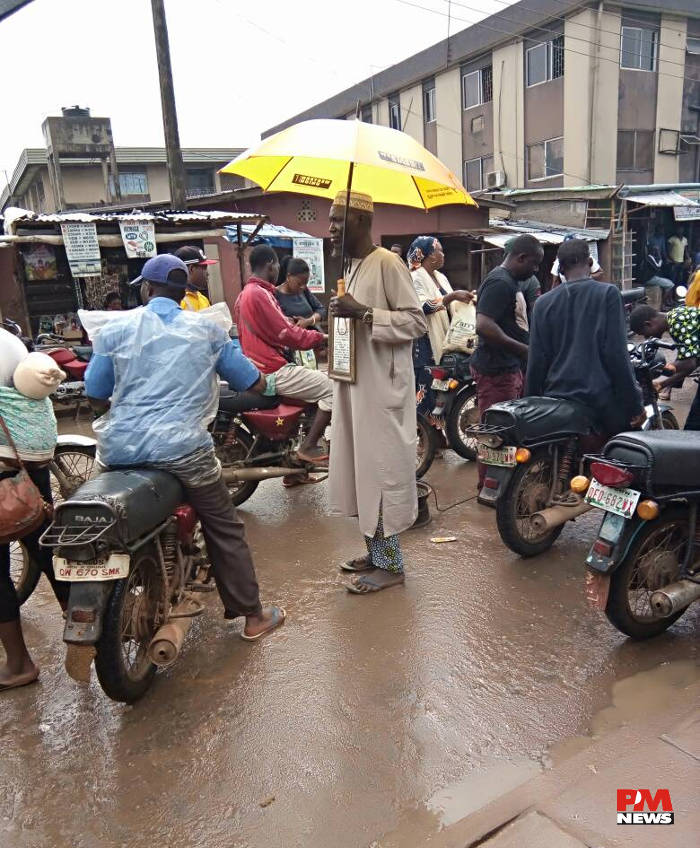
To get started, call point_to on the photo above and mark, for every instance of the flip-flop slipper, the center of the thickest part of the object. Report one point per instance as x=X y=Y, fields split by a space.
x=371 y=586
x=313 y=460
x=4 y=687
x=350 y=565
x=299 y=481
x=280 y=616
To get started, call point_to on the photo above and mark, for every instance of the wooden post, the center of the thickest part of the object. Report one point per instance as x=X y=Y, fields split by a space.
x=176 y=168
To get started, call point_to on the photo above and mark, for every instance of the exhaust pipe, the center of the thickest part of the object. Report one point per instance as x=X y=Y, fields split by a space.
x=240 y=475
x=167 y=643
x=554 y=516
x=675 y=597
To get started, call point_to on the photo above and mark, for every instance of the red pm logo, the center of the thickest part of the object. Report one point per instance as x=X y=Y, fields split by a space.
x=645 y=806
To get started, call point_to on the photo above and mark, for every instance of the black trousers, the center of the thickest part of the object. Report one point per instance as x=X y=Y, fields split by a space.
x=693 y=419
x=9 y=606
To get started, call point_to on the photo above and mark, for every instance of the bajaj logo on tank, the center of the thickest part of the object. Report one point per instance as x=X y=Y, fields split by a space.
x=639 y=806
x=91 y=519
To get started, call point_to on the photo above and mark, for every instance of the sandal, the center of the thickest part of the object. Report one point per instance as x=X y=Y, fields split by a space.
x=362 y=563
x=278 y=617
x=365 y=585
x=22 y=680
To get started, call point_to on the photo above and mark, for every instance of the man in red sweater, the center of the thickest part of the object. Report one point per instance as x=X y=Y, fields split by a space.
x=266 y=336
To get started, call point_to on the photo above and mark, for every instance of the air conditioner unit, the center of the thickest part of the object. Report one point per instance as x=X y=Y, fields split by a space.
x=495 y=179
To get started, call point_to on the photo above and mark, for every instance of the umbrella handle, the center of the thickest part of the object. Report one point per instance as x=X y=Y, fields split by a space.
x=340 y=287
x=345 y=218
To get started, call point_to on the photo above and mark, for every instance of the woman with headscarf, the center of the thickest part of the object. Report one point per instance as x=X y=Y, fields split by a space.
x=425 y=258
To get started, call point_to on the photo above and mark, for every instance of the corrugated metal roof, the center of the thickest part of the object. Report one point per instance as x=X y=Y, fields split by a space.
x=544 y=233
x=23 y=217
x=661 y=198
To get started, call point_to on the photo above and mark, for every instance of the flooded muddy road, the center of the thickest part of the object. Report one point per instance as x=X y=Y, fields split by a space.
x=361 y=717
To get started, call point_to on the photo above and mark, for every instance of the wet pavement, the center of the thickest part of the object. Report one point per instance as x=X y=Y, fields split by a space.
x=362 y=717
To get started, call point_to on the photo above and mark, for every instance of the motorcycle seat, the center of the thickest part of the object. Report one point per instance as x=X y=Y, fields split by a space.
x=141 y=497
x=246 y=401
x=672 y=456
x=534 y=418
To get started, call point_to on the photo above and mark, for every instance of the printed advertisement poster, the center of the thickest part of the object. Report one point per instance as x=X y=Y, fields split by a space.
x=40 y=262
x=311 y=251
x=139 y=238
x=82 y=249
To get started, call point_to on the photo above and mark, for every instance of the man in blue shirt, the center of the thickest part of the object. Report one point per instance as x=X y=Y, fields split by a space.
x=159 y=367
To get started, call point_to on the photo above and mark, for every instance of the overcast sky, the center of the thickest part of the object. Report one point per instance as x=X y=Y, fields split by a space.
x=239 y=67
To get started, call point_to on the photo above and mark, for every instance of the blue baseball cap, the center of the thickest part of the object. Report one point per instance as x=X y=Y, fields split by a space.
x=158 y=270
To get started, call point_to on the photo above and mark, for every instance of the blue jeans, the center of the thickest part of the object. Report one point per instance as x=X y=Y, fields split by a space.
x=662 y=282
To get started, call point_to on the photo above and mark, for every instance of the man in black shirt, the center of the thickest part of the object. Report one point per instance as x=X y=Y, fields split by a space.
x=499 y=360
x=578 y=345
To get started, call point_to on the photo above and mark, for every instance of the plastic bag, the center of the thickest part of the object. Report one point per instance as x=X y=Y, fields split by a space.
x=461 y=335
x=37 y=376
x=93 y=320
x=167 y=389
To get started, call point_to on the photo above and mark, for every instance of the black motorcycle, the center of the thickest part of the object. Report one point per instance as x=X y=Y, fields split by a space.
x=133 y=553
x=455 y=402
x=533 y=448
x=643 y=569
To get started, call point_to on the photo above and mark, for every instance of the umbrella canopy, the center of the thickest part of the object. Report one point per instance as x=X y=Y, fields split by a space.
x=321 y=158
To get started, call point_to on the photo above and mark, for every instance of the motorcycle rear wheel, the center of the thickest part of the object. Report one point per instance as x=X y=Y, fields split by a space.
x=229 y=454
x=653 y=561
x=24 y=572
x=135 y=611
x=461 y=416
x=426 y=445
x=527 y=493
x=70 y=467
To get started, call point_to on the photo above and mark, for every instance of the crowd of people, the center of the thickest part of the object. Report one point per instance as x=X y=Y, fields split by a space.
x=152 y=374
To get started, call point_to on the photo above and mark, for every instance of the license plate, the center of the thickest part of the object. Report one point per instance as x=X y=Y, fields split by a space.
x=114 y=567
x=441 y=385
x=505 y=457
x=619 y=501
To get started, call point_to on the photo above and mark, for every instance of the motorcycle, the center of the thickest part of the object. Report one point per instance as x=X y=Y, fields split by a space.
x=72 y=464
x=534 y=446
x=256 y=438
x=132 y=550
x=455 y=402
x=643 y=570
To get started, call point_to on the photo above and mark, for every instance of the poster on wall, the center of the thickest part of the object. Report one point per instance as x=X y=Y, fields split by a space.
x=139 y=238
x=40 y=262
x=311 y=251
x=82 y=248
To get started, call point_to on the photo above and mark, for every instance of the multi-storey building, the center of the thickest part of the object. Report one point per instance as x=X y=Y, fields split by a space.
x=80 y=167
x=549 y=93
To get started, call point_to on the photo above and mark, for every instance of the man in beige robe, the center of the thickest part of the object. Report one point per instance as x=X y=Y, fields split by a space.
x=373 y=431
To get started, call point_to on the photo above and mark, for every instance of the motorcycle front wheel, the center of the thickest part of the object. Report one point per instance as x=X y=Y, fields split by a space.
x=653 y=561
x=134 y=613
x=464 y=414
x=231 y=454
x=70 y=467
x=528 y=492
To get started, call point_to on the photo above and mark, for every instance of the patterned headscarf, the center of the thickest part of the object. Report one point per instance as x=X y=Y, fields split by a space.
x=420 y=248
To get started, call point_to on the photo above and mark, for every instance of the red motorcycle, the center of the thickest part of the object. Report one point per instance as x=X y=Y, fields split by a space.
x=256 y=438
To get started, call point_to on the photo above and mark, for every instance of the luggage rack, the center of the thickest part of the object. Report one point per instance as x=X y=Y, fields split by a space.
x=67 y=535
x=481 y=429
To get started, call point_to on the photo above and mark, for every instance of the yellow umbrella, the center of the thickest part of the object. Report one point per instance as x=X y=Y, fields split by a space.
x=323 y=157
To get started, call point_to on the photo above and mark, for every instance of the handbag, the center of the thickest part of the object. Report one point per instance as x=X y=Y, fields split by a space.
x=22 y=508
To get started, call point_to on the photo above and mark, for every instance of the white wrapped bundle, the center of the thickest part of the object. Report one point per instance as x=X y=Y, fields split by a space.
x=37 y=376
